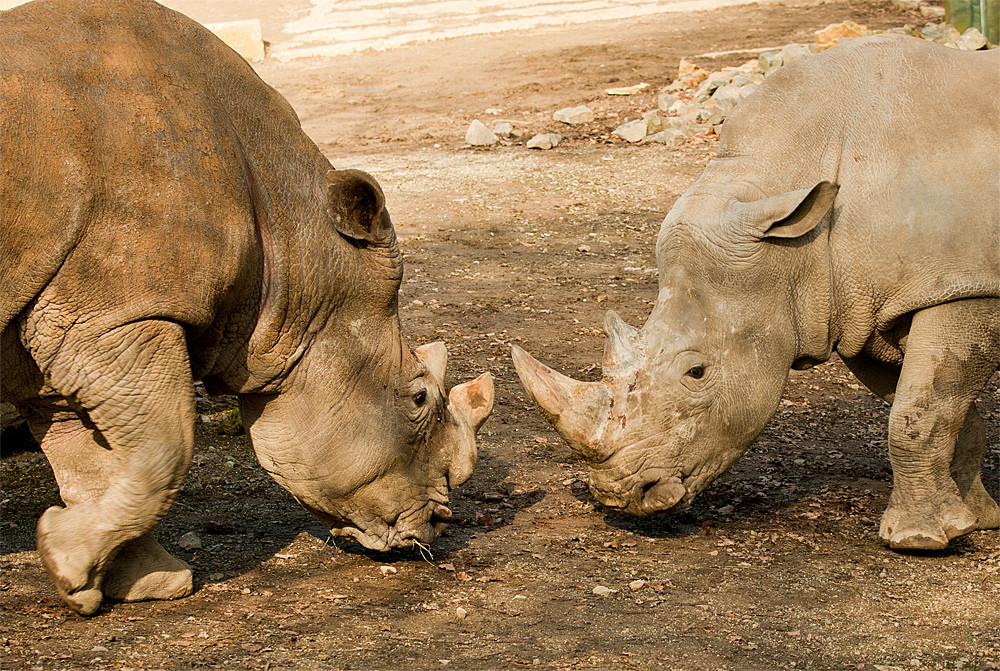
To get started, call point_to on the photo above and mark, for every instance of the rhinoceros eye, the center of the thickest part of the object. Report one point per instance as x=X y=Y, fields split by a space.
x=420 y=398
x=697 y=372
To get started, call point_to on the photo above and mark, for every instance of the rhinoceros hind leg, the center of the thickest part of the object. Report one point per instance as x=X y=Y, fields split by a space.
x=934 y=442
x=143 y=571
x=970 y=448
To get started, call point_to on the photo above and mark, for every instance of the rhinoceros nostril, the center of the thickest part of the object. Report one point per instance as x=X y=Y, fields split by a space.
x=441 y=514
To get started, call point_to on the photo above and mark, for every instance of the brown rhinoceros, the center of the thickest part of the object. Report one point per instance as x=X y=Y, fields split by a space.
x=853 y=205
x=164 y=220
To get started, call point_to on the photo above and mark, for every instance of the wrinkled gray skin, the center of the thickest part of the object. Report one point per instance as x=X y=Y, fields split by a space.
x=163 y=219
x=854 y=205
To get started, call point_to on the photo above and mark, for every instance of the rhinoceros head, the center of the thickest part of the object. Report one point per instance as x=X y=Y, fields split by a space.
x=681 y=399
x=361 y=430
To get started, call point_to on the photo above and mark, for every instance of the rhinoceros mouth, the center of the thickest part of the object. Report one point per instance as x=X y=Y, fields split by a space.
x=419 y=527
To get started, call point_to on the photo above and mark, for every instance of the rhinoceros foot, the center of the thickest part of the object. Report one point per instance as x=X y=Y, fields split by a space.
x=906 y=529
x=144 y=571
x=982 y=505
x=68 y=561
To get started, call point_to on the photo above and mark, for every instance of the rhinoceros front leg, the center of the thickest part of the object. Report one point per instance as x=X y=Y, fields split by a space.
x=134 y=383
x=951 y=351
x=83 y=466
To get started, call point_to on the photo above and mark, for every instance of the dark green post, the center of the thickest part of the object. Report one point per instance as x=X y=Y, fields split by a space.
x=981 y=14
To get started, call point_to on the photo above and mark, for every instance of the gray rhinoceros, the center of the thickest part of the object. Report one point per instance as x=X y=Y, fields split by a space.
x=853 y=205
x=164 y=220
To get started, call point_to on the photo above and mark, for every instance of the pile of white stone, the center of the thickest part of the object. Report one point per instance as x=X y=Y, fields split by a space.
x=698 y=101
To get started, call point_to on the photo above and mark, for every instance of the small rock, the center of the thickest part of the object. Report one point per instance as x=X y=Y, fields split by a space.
x=770 y=61
x=493 y=110
x=387 y=570
x=479 y=135
x=601 y=590
x=665 y=100
x=794 y=52
x=654 y=124
x=461 y=613
x=696 y=128
x=910 y=5
x=627 y=90
x=503 y=128
x=829 y=36
x=636 y=585
x=932 y=12
x=243 y=37
x=692 y=113
x=633 y=131
x=583 y=249
x=189 y=541
x=726 y=97
x=544 y=141
x=971 y=40
x=685 y=68
x=672 y=137
x=714 y=81
x=214 y=577
x=571 y=115
x=942 y=33
x=98 y=648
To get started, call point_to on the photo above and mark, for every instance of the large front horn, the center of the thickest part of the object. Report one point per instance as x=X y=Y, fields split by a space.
x=578 y=410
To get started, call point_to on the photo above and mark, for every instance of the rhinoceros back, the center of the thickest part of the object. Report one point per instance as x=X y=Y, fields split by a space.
x=137 y=151
x=910 y=131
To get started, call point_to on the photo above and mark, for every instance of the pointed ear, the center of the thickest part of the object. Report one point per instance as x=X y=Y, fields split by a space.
x=356 y=206
x=791 y=214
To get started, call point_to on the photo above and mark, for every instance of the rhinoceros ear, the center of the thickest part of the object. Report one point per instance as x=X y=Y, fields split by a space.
x=791 y=214
x=356 y=206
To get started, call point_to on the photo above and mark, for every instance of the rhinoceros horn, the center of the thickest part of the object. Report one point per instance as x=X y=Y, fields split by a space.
x=578 y=410
x=621 y=349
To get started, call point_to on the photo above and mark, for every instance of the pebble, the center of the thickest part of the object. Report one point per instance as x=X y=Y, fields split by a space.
x=672 y=137
x=829 y=36
x=971 y=40
x=627 y=90
x=461 y=613
x=932 y=12
x=633 y=131
x=601 y=590
x=910 y=5
x=794 y=52
x=571 y=115
x=665 y=100
x=386 y=570
x=654 y=123
x=189 y=541
x=636 y=585
x=942 y=33
x=770 y=61
x=544 y=141
x=726 y=97
x=503 y=128
x=479 y=135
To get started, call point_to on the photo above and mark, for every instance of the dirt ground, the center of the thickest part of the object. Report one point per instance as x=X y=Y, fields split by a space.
x=776 y=566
